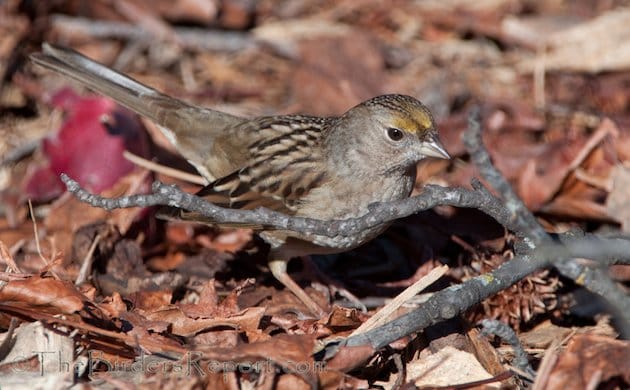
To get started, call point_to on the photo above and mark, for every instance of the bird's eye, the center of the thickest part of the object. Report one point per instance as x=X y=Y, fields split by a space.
x=395 y=134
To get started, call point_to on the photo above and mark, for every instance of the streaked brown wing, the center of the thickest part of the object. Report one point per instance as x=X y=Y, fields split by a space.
x=284 y=167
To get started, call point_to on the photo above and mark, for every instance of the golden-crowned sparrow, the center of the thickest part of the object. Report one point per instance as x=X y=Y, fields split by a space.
x=323 y=168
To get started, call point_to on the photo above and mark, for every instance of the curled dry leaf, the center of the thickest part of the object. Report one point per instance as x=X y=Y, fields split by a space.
x=541 y=177
x=206 y=307
x=546 y=178
x=113 y=306
x=182 y=325
x=341 y=319
x=44 y=292
x=589 y=361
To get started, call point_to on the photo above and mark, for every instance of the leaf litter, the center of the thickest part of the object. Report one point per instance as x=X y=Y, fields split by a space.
x=122 y=290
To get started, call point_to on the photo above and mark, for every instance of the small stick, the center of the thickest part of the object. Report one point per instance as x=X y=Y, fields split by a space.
x=171 y=172
x=381 y=316
x=86 y=265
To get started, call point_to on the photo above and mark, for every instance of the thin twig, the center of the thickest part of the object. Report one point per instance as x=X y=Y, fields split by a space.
x=37 y=245
x=36 y=234
x=171 y=172
x=507 y=334
x=170 y=195
x=534 y=234
x=5 y=257
x=381 y=316
x=86 y=265
x=519 y=214
x=7 y=342
x=200 y=39
x=402 y=372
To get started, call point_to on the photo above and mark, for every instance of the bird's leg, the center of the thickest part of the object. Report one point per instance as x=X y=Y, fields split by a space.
x=278 y=268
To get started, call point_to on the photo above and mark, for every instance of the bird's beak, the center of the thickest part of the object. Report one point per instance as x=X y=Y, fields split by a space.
x=433 y=148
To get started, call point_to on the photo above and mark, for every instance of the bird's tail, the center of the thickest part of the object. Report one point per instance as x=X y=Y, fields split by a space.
x=100 y=78
x=190 y=128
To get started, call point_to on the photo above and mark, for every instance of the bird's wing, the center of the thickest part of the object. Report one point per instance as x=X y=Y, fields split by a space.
x=286 y=164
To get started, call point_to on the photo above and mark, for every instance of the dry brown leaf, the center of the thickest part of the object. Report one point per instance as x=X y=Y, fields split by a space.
x=543 y=335
x=618 y=201
x=184 y=325
x=141 y=326
x=228 y=240
x=44 y=292
x=542 y=177
x=227 y=338
x=6 y=258
x=200 y=11
x=447 y=367
x=292 y=353
x=68 y=214
x=485 y=353
x=206 y=306
x=150 y=300
x=349 y=358
x=133 y=284
x=113 y=306
x=343 y=319
x=589 y=361
x=552 y=174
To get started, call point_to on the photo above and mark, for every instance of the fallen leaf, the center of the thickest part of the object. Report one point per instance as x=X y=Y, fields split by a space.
x=618 y=201
x=291 y=353
x=44 y=292
x=182 y=325
x=53 y=350
x=88 y=146
x=589 y=361
x=447 y=367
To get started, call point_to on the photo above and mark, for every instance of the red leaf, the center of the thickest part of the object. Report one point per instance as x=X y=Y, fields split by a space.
x=89 y=145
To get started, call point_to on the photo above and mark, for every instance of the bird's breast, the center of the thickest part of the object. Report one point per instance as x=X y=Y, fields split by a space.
x=338 y=200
